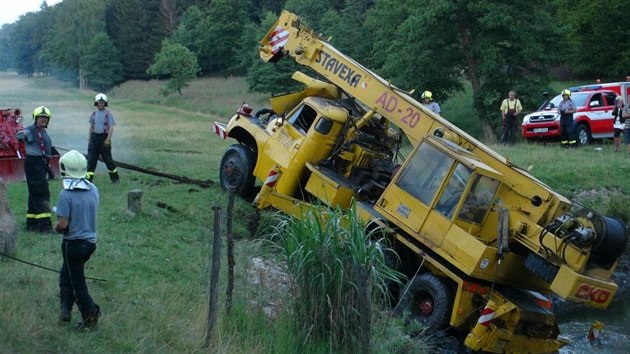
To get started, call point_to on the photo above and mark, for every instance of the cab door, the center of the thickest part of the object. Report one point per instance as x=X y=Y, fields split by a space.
x=600 y=108
x=410 y=198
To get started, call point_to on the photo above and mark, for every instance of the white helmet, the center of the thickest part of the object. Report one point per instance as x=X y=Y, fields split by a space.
x=73 y=165
x=100 y=97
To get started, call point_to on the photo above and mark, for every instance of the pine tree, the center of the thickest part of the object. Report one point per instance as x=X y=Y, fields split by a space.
x=137 y=29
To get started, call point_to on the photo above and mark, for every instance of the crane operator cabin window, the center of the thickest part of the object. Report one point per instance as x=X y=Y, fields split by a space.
x=302 y=118
x=425 y=173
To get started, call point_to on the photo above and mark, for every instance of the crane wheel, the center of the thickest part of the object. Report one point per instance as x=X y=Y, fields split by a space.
x=236 y=170
x=428 y=300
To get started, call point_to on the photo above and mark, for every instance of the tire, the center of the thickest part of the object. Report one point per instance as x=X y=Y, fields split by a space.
x=541 y=267
x=582 y=134
x=428 y=300
x=236 y=170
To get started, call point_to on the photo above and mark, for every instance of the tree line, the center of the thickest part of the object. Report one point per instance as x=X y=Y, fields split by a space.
x=435 y=45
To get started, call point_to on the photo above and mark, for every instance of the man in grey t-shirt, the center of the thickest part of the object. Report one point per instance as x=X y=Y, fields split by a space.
x=102 y=124
x=76 y=219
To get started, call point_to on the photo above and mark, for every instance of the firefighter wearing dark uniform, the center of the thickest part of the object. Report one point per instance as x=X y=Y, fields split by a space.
x=566 y=108
x=102 y=124
x=38 y=151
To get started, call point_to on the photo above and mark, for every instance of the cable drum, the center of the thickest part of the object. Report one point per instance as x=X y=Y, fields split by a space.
x=614 y=240
x=611 y=239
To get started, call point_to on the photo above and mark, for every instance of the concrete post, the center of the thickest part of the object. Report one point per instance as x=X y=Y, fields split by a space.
x=134 y=201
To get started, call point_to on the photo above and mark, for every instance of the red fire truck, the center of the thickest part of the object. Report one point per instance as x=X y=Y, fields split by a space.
x=12 y=151
x=593 y=119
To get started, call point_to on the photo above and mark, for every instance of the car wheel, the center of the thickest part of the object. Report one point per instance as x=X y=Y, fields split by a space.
x=236 y=170
x=427 y=299
x=583 y=135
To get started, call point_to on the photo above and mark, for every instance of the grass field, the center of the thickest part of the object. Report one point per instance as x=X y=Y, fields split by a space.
x=156 y=263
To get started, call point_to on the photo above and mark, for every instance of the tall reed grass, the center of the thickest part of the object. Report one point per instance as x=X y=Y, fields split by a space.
x=339 y=275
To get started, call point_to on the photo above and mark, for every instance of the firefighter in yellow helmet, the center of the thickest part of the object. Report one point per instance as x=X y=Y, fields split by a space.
x=102 y=124
x=38 y=148
x=566 y=108
x=427 y=101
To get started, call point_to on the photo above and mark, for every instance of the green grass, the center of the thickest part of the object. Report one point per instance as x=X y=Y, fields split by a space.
x=156 y=263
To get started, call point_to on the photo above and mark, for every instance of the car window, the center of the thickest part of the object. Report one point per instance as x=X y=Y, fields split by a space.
x=610 y=98
x=596 y=100
x=453 y=191
x=302 y=118
x=580 y=98
x=479 y=200
x=425 y=173
x=554 y=102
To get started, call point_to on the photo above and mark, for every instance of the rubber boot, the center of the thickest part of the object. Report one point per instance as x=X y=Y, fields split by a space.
x=114 y=177
x=45 y=226
x=617 y=144
x=90 y=321
x=67 y=302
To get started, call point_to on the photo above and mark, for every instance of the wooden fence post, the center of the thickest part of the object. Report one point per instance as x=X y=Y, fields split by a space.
x=230 y=252
x=214 y=277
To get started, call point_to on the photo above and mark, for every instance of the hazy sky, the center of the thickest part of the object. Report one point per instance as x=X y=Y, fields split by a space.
x=10 y=10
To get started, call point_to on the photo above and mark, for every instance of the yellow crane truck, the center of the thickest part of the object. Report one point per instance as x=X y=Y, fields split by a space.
x=484 y=243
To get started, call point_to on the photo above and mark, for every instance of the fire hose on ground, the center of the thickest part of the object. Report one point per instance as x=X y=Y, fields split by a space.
x=202 y=183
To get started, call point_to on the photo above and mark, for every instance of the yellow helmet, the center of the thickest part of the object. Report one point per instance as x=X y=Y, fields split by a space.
x=566 y=92
x=73 y=165
x=42 y=111
x=427 y=94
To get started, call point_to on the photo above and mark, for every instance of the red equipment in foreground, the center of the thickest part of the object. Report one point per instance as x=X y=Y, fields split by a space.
x=12 y=150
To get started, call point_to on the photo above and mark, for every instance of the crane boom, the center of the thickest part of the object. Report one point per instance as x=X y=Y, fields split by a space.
x=290 y=37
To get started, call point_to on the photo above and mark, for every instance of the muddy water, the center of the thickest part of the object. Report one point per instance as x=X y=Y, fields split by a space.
x=615 y=337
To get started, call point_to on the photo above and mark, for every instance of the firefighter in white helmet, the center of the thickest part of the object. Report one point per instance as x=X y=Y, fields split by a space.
x=76 y=210
x=102 y=124
x=38 y=148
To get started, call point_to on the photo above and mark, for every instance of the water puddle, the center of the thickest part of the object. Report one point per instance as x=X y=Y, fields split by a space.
x=614 y=338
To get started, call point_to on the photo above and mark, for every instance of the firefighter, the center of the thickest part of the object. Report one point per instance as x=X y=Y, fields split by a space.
x=76 y=209
x=566 y=108
x=427 y=101
x=38 y=151
x=102 y=124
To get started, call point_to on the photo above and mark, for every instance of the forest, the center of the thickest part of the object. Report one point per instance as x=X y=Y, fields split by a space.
x=437 y=45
